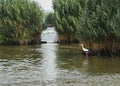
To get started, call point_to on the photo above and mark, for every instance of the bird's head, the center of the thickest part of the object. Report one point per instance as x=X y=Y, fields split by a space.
x=81 y=44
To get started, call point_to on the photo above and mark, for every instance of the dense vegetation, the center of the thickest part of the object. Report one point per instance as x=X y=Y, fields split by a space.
x=100 y=25
x=20 y=22
x=50 y=19
x=96 y=22
x=67 y=16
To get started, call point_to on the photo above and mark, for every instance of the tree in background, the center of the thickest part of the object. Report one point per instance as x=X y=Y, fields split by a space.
x=20 y=22
x=50 y=19
x=67 y=14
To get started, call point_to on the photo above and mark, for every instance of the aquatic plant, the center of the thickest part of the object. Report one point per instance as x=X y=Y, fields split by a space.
x=67 y=16
x=99 y=25
x=96 y=23
x=20 y=22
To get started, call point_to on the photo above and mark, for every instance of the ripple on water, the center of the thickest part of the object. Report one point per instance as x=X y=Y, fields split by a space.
x=49 y=65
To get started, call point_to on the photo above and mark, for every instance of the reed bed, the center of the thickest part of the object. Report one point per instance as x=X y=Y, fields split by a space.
x=20 y=21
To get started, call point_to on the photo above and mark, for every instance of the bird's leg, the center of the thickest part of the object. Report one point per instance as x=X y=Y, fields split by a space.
x=86 y=55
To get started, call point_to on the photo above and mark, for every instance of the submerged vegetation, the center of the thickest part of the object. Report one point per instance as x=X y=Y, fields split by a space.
x=20 y=22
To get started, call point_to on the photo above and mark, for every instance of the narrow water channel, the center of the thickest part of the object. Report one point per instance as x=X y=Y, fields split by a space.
x=55 y=65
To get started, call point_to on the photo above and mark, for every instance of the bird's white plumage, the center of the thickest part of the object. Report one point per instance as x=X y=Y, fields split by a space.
x=84 y=49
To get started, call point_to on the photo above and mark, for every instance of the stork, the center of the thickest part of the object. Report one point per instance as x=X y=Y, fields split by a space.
x=85 y=50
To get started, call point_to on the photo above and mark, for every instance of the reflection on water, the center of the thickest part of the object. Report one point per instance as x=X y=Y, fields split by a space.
x=86 y=61
x=86 y=64
x=55 y=65
x=49 y=60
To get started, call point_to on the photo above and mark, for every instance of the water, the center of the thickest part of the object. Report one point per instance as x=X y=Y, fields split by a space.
x=55 y=65
x=49 y=35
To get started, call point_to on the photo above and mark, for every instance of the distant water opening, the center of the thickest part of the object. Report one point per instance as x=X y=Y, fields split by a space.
x=49 y=35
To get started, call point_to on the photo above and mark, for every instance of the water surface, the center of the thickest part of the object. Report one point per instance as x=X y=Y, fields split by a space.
x=55 y=65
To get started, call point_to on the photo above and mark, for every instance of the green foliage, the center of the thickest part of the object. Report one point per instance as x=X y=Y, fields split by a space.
x=100 y=21
x=50 y=19
x=94 y=21
x=67 y=14
x=20 y=21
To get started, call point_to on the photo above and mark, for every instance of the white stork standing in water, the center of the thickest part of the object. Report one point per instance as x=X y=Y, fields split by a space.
x=85 y=50
x=86 y=53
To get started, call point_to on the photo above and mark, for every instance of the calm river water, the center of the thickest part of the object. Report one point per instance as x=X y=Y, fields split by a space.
x=55 y=65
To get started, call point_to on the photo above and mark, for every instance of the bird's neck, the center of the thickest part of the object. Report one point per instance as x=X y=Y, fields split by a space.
x=82 y=46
